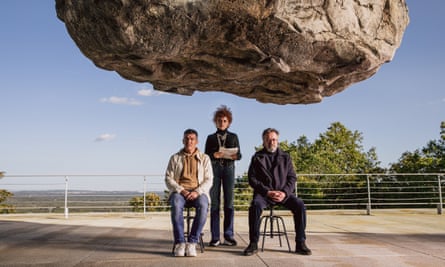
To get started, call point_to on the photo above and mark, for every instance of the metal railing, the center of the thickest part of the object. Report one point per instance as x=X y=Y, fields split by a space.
x=409 y=190
x=143 y=193
x=78 y=192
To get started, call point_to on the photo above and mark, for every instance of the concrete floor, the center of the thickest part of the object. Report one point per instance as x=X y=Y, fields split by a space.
x=337 y=238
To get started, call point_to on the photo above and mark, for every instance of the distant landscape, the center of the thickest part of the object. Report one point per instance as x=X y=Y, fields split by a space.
x=53 y=201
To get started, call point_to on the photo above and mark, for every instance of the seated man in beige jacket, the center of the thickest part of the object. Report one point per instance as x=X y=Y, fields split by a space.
x=189 y=178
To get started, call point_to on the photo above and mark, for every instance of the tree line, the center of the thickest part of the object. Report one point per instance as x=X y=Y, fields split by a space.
x=340 y=151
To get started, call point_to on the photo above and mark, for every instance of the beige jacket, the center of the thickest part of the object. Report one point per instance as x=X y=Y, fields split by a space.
x=174 y=171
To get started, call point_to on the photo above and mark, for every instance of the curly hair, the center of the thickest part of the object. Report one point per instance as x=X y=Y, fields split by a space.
x=223 y=111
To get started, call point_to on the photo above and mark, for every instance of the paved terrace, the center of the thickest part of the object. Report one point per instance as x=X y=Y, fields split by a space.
x=337 y=238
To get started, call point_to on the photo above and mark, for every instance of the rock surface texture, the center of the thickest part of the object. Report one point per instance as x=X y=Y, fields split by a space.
x=276 y=51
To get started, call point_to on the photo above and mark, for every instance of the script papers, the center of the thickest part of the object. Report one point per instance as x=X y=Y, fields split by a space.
x=228 y=152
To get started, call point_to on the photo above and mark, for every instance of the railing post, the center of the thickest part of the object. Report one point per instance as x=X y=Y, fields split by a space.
x=66 y=197
x=296 y=189
x=368 y=207
x=440 y=205
x=145 y=190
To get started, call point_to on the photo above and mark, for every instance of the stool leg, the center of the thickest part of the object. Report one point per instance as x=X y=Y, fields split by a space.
x=275 y=218
x=189 y=219
x=201 y=243
x=281 y=229
x=284 y=231
x=271 y=226
x=265 y=218
x=271 y=216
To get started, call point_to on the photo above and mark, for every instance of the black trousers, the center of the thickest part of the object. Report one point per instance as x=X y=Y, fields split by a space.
x=293 y=203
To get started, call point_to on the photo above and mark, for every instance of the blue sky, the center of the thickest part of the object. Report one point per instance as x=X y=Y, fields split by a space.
x=61 y=114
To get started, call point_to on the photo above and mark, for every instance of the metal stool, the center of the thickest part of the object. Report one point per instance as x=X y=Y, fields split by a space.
x=271 y=232
x=188 y=218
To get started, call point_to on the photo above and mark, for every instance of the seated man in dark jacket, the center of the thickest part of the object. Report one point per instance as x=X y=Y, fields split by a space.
x=272 y=177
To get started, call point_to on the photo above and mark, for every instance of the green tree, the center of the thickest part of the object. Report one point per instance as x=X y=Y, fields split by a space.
x=429 y=159
x=340 y=150
x=336 y=151
x=152 y=202
x=5 y=208
x=4 y=195
x=302 y=154
x=442 y=130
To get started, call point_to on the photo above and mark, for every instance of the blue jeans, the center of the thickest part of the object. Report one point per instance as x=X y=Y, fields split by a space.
x=293 y=203
x=178 y=202
x=225 y=176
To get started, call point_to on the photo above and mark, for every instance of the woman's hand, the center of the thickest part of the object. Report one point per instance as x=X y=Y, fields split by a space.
x=218 y=155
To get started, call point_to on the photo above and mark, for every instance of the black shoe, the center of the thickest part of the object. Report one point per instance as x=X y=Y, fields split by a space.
x=302 y=249
x=229 y=241
x=251 y=249
x=214 y=243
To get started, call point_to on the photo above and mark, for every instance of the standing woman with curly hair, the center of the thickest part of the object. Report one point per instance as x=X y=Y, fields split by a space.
x=223 y=148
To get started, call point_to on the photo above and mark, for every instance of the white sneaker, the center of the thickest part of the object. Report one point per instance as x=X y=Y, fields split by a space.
x=190 y=250
x=180 y=250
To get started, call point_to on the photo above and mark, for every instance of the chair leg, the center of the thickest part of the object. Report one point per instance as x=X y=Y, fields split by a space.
x=189 y=219
x=280 y=229
x=265 y=218
x=271 y=220
x=284 y=232
x=201 y=242
x=275 y=218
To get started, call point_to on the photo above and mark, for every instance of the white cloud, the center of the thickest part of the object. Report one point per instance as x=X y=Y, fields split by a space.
x=105 y=137
x=149 y=92
x=121 y=101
